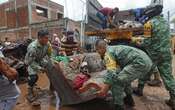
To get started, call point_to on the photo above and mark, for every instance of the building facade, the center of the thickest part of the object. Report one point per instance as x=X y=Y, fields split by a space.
x=21 y=19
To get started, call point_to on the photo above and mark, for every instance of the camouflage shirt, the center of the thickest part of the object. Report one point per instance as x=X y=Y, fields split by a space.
x=37 y=56
x=159 y=43
x=119 y=57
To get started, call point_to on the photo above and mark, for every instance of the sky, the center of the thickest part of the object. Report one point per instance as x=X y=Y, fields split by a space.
x=74 y=9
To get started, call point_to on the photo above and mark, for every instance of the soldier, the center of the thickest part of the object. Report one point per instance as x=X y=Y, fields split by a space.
x=159 y=49
x=38 y=54
x=154 y=9
x=124 y=65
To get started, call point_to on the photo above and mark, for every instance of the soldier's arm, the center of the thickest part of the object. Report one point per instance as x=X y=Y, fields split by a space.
x=30 y=60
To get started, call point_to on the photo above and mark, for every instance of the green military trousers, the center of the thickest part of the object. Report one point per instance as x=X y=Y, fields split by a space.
x=164 y=65
x=121 y=82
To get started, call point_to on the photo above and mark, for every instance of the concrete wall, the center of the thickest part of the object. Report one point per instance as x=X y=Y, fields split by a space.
x=3 y=20
x=22 y=16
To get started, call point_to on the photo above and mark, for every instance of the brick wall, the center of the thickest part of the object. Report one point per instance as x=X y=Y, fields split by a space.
x=53 y=15
x=11 y=18
x=10 y=35
x=22 y=13
x=21 y=3
x=35 y=17
x=3 y=20
x=52 y=30
x=56 y=6
x=41 y=2
x=52 y=9
x=23 y=34
x=7 y=12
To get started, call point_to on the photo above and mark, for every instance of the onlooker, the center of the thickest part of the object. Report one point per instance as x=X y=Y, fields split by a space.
x=56 y=44
x=6 y=42
x=9 y=92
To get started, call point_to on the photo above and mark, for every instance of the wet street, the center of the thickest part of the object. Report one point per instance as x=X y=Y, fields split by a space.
x=153 y=99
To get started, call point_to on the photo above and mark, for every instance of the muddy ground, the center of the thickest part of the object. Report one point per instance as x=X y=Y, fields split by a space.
x=153 y=99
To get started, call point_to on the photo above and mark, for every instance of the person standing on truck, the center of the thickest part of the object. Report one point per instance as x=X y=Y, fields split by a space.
x=124 y=64
x=106 y=16
x=7 y=42
x=145 y=14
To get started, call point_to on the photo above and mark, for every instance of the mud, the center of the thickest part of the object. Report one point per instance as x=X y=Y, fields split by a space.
x=153 y=99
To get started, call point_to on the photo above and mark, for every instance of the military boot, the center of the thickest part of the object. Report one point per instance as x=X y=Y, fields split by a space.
x=119 y=107
x=155 y=83
x=129 y=101
x=171 y=102
x=138 y=91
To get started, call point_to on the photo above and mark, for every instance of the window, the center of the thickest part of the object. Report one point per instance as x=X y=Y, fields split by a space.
x=41 y=11
x=59 y=15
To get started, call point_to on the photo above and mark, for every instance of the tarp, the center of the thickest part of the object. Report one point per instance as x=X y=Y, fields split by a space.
x=63 y=87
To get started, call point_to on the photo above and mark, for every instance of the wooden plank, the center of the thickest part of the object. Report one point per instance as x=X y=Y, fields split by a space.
x=126 y=33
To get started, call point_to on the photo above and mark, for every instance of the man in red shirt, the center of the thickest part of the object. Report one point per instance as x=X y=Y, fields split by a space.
x=106 y=16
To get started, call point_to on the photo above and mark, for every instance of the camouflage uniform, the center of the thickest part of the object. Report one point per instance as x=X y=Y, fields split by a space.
x=159 y=49
x=36 y=58
x=124 y=65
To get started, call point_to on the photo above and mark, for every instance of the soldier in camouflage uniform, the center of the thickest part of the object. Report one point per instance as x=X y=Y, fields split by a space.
x=124 y=64
x=158 y=5
x=159 y=48
x=37 y=56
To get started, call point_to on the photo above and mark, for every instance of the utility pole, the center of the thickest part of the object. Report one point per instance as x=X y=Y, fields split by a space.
x=17 y=20
x=30 y=17
x=82 y=25
x=168 y=17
